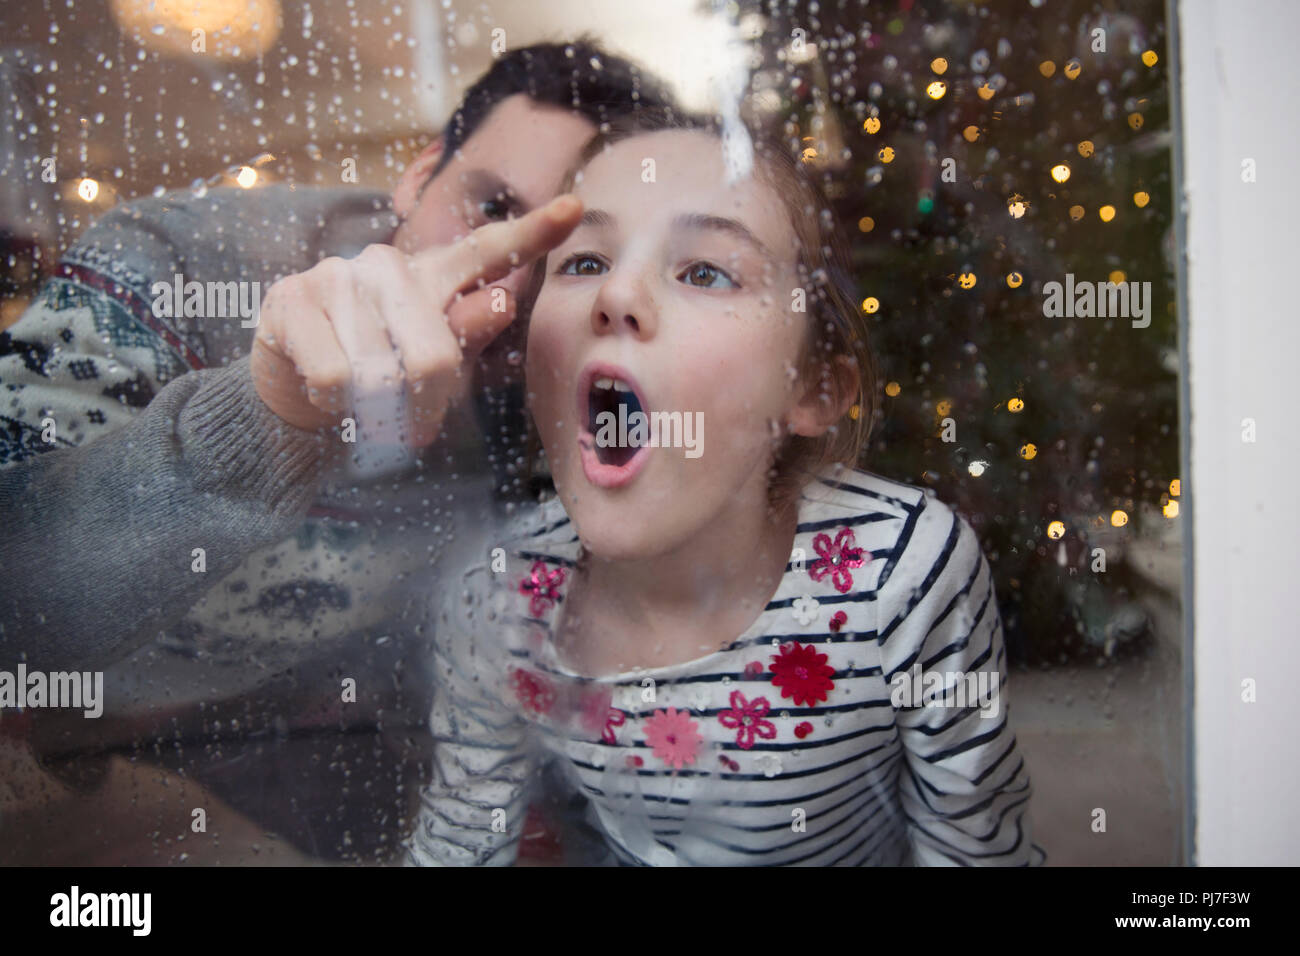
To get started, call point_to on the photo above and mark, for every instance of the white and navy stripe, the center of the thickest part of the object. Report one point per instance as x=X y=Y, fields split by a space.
x=868 y=784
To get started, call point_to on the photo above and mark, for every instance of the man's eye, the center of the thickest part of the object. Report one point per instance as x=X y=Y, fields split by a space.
x=498 y=207
x=581 y=264
x=706 y=276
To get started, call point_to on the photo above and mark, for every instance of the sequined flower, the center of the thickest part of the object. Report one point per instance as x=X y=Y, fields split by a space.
x=803 y=730
x=542 y=587
x=534 y=692
x=753 y=669
x=802 y=673
x=746 y=719
x=836 y=558
x=838 y=620
x=804 y=609
x=673 y=736
x=770 y=764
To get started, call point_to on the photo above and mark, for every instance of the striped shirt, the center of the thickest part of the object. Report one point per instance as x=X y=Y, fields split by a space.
x=803 y=742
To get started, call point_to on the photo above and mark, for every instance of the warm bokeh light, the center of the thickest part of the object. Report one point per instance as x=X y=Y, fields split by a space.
x=1118 y=518
x=1061 y=172
x=88 y=189
x=1107 y=213
x=936 y=90
x=892 y=389
x=1015 y=405
x=870 y=305
x=1056 y=530
x=1014 y=279
x=246 y=177
x=224 y=29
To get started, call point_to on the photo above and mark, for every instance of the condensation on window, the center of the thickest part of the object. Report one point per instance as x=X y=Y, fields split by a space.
x=1001 y=177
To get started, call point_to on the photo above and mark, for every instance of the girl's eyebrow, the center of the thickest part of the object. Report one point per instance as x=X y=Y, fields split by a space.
x=598 y=217
x=721 y=224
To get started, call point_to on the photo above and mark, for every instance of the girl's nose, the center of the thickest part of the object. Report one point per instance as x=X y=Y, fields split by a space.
x=624 y=306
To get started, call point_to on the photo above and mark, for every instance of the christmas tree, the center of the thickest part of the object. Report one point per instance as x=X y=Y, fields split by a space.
x=975 y=155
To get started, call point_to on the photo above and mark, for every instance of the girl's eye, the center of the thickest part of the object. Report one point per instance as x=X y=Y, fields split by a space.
x=581 y=264
x=495 y=208
x=706 y=276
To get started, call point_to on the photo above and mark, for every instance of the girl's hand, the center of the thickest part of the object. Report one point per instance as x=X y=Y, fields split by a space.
x=386 y=322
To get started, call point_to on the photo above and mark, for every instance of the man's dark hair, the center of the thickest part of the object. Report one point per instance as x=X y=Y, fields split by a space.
x=579 y=76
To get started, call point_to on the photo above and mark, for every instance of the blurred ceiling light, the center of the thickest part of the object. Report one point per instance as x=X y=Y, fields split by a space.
x=246 y=177
x=223 y=29
x=88 y=189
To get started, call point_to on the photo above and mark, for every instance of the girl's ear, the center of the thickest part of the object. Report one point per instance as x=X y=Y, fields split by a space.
x=415 y=177
x=826 y=400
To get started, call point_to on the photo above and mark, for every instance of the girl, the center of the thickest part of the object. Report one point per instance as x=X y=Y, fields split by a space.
x=738 y=648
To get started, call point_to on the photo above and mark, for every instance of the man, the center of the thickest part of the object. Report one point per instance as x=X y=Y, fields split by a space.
x=180 y=484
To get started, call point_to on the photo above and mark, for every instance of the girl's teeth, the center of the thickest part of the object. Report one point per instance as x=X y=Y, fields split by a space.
x=622 y=387
x=604 y=383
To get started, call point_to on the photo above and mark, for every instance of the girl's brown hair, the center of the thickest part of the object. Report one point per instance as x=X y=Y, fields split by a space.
x=837 y=328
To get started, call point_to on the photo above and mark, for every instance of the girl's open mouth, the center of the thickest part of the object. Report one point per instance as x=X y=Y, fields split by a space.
x=610 y=405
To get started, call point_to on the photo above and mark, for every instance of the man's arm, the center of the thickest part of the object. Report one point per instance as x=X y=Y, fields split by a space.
x=115 y=466
x=128 y=440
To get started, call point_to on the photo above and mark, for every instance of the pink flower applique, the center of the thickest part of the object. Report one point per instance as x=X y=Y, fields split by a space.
x=674 y=737
x=542 y=587
x=838 y=620
x=753 y=669
x=803 y=730
x=836 y=558
x=534 y=692
x=614 y=718
x=746 y=718
x=599 y=717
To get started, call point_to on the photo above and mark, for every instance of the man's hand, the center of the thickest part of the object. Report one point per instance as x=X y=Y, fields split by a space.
x=388 y=322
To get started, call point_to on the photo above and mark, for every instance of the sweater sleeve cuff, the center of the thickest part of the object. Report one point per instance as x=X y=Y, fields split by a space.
x=236 y=444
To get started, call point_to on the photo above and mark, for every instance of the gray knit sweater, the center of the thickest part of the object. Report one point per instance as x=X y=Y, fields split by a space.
x=160 y=446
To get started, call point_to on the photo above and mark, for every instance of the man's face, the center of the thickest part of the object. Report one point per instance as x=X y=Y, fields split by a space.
x=511 y=164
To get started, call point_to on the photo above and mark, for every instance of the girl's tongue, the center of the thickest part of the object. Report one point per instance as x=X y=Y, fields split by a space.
x=610 y=407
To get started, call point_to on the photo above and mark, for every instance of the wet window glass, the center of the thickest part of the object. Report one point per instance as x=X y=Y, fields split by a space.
x=805 y=491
